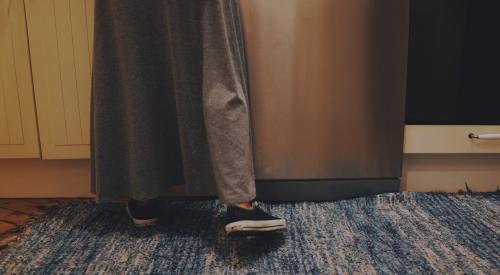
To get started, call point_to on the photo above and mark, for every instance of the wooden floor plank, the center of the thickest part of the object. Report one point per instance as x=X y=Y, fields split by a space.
x=5 y=212
x=7 y=239
x=15 y=217
x=15 y=213
x=6 y=227
x=20 y=206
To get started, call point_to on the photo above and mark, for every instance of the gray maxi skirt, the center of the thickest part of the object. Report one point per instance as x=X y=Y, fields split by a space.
x=169 y=100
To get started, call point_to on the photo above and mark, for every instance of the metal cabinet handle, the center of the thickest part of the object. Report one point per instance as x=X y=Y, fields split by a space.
x=484 y=136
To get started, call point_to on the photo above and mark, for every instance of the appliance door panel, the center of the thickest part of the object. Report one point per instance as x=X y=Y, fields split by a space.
x=327 y=81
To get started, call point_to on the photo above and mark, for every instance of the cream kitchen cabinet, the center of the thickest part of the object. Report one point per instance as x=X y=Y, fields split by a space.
x=450 y=139
x=60 y=37
x=18 y=129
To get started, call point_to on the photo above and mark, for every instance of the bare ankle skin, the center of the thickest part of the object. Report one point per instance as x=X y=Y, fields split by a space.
x=245 y=205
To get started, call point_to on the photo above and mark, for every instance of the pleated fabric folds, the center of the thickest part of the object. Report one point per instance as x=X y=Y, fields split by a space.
x=170 y=100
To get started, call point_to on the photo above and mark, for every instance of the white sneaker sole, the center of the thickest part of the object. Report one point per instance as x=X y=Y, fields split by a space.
x=141 y=223
x=255 y=226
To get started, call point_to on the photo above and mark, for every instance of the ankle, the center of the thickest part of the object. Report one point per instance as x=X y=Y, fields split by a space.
x=244 y=205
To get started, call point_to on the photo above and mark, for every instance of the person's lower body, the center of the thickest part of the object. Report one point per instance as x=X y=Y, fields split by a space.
x=200 y=51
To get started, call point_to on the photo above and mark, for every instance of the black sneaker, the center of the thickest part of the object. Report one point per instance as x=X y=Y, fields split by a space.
x=144 y=215
x=255 y=220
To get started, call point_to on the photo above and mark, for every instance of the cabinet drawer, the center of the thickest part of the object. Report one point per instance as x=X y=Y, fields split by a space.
x=450 y=139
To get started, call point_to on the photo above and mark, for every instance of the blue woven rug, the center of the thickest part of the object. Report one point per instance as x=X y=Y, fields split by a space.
x=390 y=233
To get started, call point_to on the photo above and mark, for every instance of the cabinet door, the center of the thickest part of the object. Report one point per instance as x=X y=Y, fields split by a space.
x=18 y=131
x=60 y=34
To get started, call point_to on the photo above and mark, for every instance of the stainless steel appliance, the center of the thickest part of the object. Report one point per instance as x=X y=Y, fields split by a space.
x=327 y=83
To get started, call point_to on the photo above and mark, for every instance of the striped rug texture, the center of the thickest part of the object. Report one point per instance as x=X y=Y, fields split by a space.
x=397 y=233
